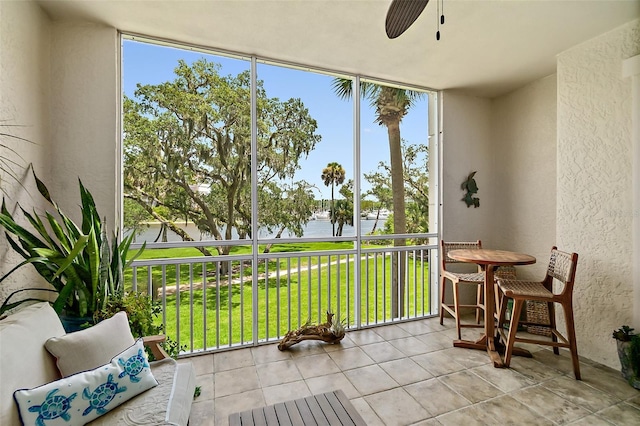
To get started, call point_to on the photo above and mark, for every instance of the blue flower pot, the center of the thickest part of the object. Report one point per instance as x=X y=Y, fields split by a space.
x=72 y=324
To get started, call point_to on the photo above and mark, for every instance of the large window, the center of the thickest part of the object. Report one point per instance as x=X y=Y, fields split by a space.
x=187 y=150
x=316 y=133
x=187 y=144
x=269 y=193
x=394 y=158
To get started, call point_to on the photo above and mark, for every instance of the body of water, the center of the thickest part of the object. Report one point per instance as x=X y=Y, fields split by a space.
x=313 y=229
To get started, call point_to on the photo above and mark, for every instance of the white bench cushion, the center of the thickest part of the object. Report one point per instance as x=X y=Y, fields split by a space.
x=77 y=399
x=169 y=403
x=24 y=362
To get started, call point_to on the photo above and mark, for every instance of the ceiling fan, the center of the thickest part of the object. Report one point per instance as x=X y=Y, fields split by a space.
x=403 y=13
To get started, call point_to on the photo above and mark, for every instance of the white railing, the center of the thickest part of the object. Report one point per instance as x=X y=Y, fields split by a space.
x=218 y=302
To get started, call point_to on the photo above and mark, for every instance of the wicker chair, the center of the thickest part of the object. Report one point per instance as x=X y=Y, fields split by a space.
x=562 y=267
x=476 y=278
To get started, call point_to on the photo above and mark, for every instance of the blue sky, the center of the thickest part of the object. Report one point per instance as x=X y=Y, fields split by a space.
x=151 y=64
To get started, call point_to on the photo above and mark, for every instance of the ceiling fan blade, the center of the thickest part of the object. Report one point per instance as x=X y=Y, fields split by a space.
x=401 y=14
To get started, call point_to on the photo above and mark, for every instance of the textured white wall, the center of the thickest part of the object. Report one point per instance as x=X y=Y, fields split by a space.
x=24 y=102
x=523 y=142
x=60 y=81
x=631 y=70
x=85 y=112
x=511 y=142
x=594 y=214
x=466 y=148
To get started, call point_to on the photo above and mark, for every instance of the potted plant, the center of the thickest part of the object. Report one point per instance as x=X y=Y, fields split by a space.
x=629 y=354
x=82 y=265
x=143 y=314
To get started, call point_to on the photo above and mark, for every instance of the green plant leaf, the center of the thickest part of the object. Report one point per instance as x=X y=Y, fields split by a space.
x=63 y=238
x=26 y=238
x=42 y=188
x=8 y=306
x=81 y=291
x=124 y=250
x=90 y=217
x=47 y=253
x=83 y=300
x=68 y=261
x=64 y=294
x=94 y=262
x=37 y=224
x=21 y=264
x=105 y=263
x=16 y=247
x=78 y=261
x=41 y=264
x=116 y=267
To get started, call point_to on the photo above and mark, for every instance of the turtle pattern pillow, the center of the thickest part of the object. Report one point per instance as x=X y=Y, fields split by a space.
x=85 y=396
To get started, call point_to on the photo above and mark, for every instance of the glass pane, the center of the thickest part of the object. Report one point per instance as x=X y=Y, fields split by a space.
x=394 y=160
x=305 y=155
x=187 y=144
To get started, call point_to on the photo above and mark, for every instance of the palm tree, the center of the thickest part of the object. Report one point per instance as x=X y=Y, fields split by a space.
x=344 y=208
x=343 y=215
x=331 y=175
x=392 y=105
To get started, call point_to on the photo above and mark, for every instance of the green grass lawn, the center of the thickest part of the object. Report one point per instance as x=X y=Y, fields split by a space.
x=220 y=313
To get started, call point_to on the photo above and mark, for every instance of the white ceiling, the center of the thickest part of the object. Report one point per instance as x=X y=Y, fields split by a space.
x=488 y=47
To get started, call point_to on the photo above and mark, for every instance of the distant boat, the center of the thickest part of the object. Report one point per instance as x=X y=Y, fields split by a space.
x=382 y=215
x=322 y=215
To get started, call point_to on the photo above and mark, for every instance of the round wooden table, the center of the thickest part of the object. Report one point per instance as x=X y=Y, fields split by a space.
x=488 y=261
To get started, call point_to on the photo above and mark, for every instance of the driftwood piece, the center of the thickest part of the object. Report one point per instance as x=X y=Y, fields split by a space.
x=331 y=331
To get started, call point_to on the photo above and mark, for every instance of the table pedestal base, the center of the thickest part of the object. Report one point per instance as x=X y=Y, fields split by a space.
x=488 y=260
x=494 y=348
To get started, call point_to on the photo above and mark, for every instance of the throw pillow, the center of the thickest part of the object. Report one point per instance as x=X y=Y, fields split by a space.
x=83 y=397
x=90 y=348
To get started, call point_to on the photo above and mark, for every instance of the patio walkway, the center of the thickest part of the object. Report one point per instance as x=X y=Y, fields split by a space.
x=410 y=374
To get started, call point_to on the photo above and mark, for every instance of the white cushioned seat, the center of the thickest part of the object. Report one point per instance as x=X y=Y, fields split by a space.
x=25 y=364
x=168 y=403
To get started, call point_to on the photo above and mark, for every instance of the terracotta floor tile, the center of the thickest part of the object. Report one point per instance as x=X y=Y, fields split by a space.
x=316 y=365
x=370 y=417
x=235 y=381
x=470 y=386
x=550 y=405
x=278 y=372
x=370 y=379
x=285 y=392
x=580 y=393
x=621 y=414
x=411 y=346
x=332 y=382
x=405 y=371
x=236 y=403
x=396 y=407
x=505 y=379
x=351 y=358
x=436 y=397
x=410 y=374
x=382 y=352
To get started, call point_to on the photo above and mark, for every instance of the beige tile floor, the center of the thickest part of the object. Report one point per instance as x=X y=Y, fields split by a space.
x=410 y=374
